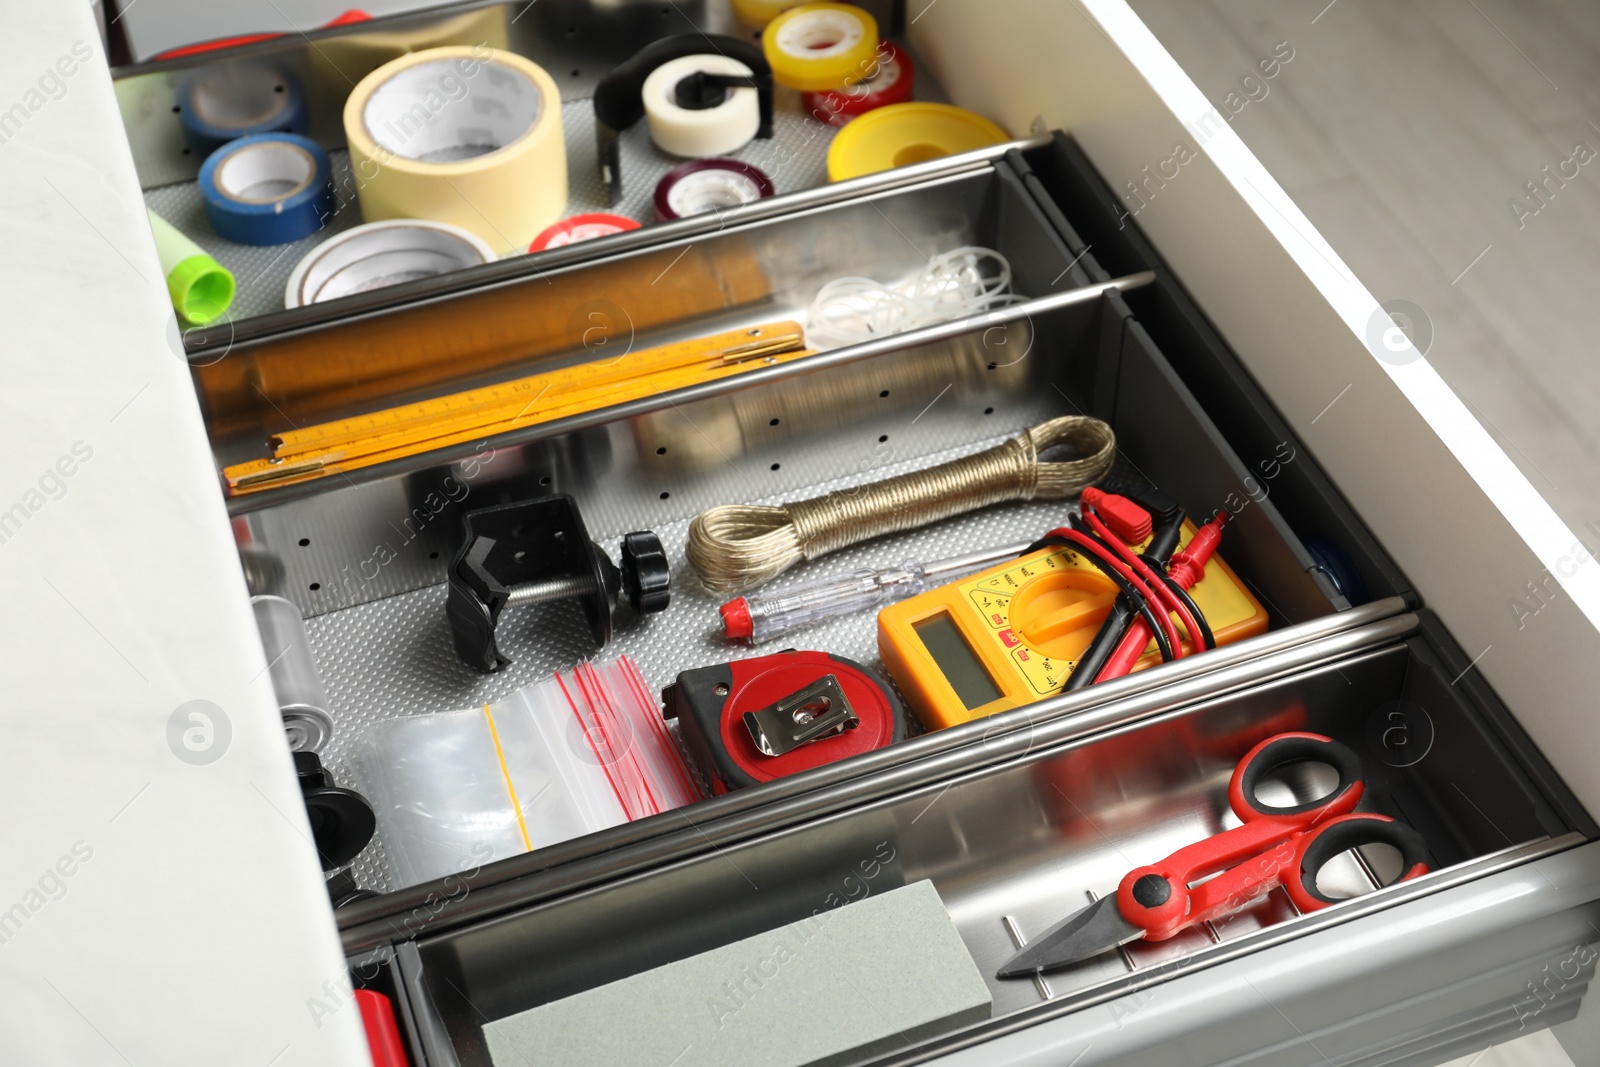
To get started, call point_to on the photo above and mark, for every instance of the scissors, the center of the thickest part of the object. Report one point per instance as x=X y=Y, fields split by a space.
x=1285 y=846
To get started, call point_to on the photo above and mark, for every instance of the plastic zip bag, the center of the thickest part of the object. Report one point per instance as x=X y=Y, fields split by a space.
x=577 y=752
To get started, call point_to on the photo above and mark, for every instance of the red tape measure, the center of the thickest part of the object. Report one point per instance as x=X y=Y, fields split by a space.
x=754 y=720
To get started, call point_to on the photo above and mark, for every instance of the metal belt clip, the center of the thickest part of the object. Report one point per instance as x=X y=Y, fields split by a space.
x=815 y=711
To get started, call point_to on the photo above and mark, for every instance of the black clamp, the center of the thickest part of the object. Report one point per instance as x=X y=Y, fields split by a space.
x=342 y=822
x=619 y=98
x=538 y=551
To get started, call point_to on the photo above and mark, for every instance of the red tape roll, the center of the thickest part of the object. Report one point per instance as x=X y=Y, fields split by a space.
x=890 y=82
x=581 y=228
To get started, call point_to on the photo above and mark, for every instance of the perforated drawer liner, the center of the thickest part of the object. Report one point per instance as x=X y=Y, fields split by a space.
x=394 y=657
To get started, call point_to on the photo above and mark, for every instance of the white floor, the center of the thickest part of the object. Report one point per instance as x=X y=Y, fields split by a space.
x=1405 y=129
x=1536 y=1050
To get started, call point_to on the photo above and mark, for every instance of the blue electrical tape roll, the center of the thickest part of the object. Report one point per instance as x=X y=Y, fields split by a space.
x=224 y=102
x=268 y=189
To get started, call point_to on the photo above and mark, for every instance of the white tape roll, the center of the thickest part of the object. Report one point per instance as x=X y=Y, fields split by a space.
x=380 y=254
x=469 y=135
x=695 y=133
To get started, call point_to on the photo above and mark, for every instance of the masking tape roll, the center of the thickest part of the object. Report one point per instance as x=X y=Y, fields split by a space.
x=581 y=228
x=201 y=288
x=682 y=129
x=820 y=46
x=380 y=254
x=902 y=134
x=891 y=81
x=226 y=101
x=465 y=135
x=757 y=13
x=709 y=185
x=267 y=189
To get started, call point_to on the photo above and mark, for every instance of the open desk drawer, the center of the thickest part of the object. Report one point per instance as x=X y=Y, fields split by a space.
x=1015 y=818
x=380 y=629
x=1055 y=816
x=1212 y=330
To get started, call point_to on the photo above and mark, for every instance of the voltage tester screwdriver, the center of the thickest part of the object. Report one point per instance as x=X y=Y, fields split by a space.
x=765 y=616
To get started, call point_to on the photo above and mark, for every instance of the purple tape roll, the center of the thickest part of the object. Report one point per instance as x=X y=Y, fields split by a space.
x=703 y=185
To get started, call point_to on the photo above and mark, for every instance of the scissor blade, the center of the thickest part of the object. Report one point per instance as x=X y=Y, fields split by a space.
x=1086 y=933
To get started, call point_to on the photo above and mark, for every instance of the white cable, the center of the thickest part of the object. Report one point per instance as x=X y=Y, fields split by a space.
x=954 y=285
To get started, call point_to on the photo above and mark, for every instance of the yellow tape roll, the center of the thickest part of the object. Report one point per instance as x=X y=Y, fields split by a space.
x=757 y=13
x=817 y=47
x=465 y=135
x=902 y=134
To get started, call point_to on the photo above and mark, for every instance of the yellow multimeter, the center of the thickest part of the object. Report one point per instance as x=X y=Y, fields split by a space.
x=1011 y=635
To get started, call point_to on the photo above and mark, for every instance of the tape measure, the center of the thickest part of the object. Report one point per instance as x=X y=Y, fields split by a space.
x=754 y=720
x=1012 y=634
x=365 y=440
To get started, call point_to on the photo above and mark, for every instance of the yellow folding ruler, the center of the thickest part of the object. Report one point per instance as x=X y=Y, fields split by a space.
x=366 y=440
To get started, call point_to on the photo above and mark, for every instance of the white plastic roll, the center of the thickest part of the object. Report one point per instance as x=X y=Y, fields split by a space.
x=379 y=254
x=712 y=131
x=465 y=135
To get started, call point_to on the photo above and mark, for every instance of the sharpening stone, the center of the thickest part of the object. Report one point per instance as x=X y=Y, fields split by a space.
x=879 y=975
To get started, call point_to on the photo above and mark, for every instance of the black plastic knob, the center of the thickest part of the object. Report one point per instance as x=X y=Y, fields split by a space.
x=342 y=889
x=342 y=822
x=646 y=575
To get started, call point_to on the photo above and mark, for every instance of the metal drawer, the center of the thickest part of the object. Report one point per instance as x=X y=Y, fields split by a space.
x=1239 y=340
x=778 y=433
x=1109 y=330
x=1017 y=831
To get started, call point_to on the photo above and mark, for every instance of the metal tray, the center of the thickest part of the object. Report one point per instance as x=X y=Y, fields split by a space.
x=1048 y=826
x=392 y=656
x=365 y=556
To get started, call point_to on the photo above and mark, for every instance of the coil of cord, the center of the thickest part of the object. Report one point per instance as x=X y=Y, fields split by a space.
x=737 y=547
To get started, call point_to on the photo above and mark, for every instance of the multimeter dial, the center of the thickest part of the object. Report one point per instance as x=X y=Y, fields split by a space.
x=1044 y=612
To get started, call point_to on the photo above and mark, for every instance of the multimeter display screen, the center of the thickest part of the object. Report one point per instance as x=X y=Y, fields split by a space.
x=957 y=661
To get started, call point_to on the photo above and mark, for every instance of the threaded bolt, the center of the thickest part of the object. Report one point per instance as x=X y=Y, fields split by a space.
x=575 y=585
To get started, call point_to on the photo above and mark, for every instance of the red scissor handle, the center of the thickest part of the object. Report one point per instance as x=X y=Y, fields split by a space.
x=1341 y=834
x=1252 y=858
